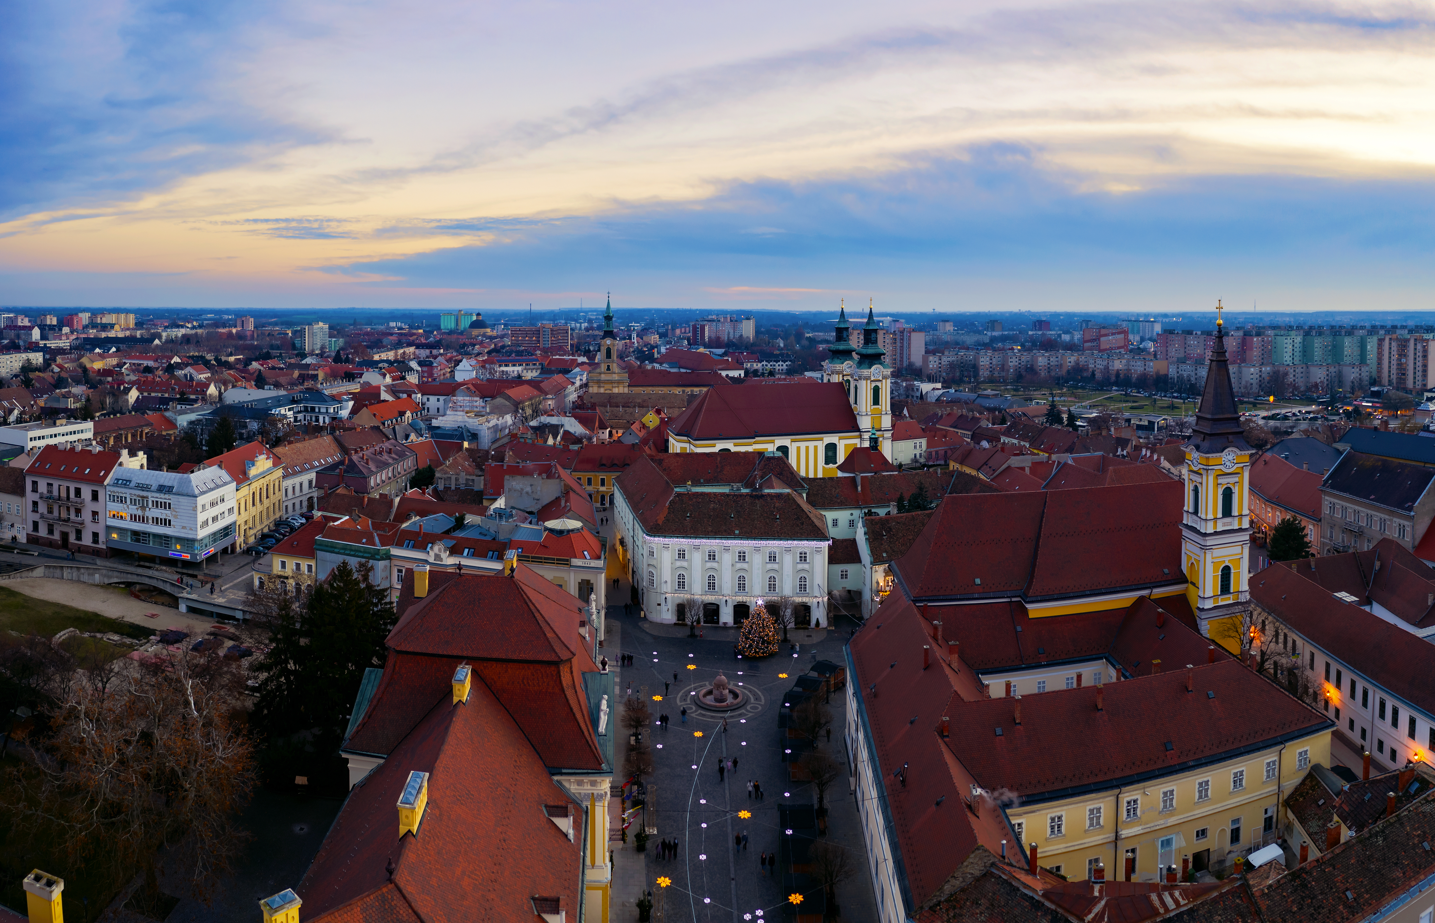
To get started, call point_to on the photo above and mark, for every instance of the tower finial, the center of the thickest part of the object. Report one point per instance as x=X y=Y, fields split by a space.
x=1219 y=322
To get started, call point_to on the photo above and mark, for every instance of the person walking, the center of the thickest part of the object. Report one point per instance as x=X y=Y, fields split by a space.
x=724 y=725
x=749 y=789
x=685 y=714
x=762 y=864
x=722 y=771
x=734 y=764
x=744 y=842
x=737 y=842
x=675 y=677
x=665 y=687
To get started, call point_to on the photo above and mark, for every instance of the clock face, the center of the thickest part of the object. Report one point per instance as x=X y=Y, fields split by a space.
x=1228 y=460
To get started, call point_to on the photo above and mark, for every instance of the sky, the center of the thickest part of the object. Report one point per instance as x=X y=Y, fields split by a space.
x=954 y=156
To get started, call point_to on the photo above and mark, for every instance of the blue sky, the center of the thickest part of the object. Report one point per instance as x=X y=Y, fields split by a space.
x=1044 y=156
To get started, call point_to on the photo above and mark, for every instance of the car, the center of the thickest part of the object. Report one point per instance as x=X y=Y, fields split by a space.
x=256 y=550
x=296 y=521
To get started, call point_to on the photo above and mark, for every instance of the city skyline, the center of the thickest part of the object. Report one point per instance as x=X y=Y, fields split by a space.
x=1128 y=158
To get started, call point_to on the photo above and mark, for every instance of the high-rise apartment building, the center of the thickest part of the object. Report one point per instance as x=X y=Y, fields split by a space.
x=904 y=346
x=723 y=329
x=245 y=323
x=552 y=337
x=315 y=338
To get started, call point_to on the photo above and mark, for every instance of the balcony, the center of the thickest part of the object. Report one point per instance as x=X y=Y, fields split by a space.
x=65 y=514
x=76 y=499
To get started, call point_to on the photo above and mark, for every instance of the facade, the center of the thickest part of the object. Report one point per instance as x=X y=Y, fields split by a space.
x=320 y=408
x=315 y=338
x=258 y=475
x=290 y=564
x=608 y=376
x=866 y=378
x=909 y=443
x=12 y=363
x=12 y=504
x=67 y=498
x=456 y=321
x=723 y=329
x=1216 y=526
x=381 y=469
x=1367 y=498
x=548 y=337
x=166 y=514
x=32 y=436
x=302 y=462
x=1280 y=490
x=598 y=466
x=707 y=536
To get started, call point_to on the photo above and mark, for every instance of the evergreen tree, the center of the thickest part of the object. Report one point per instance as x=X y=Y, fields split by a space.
x=318 y=658
x=919 y=499
x=424 y=477
x=260 y=381
x=901 y=503
x=759 y=636
x=1053 y=414
x=1071 y=419
x=221 y=438
x=1289 y=541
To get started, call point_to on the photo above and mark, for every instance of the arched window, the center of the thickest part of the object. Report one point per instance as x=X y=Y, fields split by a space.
x=682 y=582
x=1228 y=501
x=609 y=353
x=1225 y=579
x=772 y=583
x=742 y=583
x=802 y=583
x=712 y=583
x=782 y=450
x=876 y=396
x=652 y=580
x=1196 y=498
x=829 y=454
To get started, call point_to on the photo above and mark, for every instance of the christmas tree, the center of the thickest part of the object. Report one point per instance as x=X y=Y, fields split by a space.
x=759 y=636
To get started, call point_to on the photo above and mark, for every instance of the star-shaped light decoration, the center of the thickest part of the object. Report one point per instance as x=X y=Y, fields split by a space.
x=692 y=666
x=664 y=881
x=697 y=733
x=795 y=898
x=782 y=676
x=657 y=698
x=744 y=814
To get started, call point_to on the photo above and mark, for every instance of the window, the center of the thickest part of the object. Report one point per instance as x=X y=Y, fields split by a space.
x=94 y=538
x=1091 y=865
x=1327 y=671
x=1382 y=709
x=1041 y=685
x=1364 y=696
x=1196 y=498
x=1410 y=733
x=1203 y=787
x=1394 y=715
x=1228 y=502
x=802 y=583
x=1339 y=676
x=772 y=557
x=802 y=557
x=1270 y=770
x=682 y=581
x=1238 y=780
x=652 y=580
x=1071 y=682
x=1168 y=800
x=782 y=450
x=1202 y=833
x=712 y=554
x=742 y=557
x=829 y=456
x=834 y=522
x=842 y=574
x=283 y=564
x=742 y=583
x=1225 y=579
x=1132 y=810
x=682 y=554
x=1093 y=817
x=1055 y=825
x=712 y=583
x=309 y=568
x=1096 y=678
x=876 y=396
x=1235 y=831
x=772 y=583
x=851 y=522
x=652 y=553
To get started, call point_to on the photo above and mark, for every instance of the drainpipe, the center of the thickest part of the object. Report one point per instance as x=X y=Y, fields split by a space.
x=1116 y=861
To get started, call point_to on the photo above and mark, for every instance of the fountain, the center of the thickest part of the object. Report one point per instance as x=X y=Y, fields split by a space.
x=720 y=696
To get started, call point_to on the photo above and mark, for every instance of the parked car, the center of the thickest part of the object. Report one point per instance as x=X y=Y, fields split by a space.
x=256 y=550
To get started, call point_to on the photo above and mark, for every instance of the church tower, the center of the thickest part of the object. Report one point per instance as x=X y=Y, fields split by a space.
x=1216 y=527
x=862 y=371
x=608 y=377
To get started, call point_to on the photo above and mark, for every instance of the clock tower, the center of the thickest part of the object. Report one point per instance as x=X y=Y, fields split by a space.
x=1216 y=525
x=608 y=375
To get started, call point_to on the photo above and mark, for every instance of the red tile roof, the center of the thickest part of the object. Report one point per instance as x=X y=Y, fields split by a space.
x=904 y=430
x=301 y=543
x=865 y=460
x=236 y=461
x=664 y=378
x=82 y=465
x=767 y=409
x=1279 y=482
x=464 y=748
x=1013 y=479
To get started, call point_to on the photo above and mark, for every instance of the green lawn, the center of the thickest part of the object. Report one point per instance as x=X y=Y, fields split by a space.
x=26 y=614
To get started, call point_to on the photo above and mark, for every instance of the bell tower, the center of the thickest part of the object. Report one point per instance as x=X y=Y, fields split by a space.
x=1216 y=526
x=608 y=376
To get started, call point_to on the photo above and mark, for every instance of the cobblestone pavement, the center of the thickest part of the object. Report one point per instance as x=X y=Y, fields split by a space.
x=713 y=879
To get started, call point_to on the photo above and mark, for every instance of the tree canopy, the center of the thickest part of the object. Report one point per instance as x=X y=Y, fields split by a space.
x=1289 y=540
x=221 y=438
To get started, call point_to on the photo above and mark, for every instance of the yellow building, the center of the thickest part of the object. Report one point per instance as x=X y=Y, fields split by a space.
x=608 y=377
x=290 y=563
x=259 y=495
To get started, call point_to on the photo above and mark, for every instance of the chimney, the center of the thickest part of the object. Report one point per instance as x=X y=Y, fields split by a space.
x=1160 y=617
x=1031 y=864
x=1156 y=666
x=1304 y=853
x=1365 y=767
x=42 y=897
x=946 y=726
x=1305 y=466
x=1017 y=717
x=954 y=650
x=412 y=803
x=462 y=683
x=1003 y=850
x=1389 y=804
x=1190 y=679
x=281 y=908
x=1332 y=835
x=1130 y=867
x=1210 y=653
x=1407 y=775
x=1100 y=699
x=1098 y=874
x=926 y=656
x=1078 y=680
x=1185 y=866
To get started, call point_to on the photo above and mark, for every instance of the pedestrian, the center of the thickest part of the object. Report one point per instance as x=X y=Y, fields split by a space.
x=749 y=789
x=724 y=725
x=829 y=735
x=630 y=688
x=762 y=864
x=737 y=842
x=685 y=714
x=665 y=687
x=675 y=677
x=722 y=771
x=744 y=842
x=734 y=764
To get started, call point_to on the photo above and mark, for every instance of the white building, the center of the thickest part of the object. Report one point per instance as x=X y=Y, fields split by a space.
x=33 y=436
x=721 y=533
x=171 y=515
x=12 y=363
x=302 y=462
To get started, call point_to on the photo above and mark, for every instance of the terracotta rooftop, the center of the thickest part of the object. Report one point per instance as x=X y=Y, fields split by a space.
x=767 y=409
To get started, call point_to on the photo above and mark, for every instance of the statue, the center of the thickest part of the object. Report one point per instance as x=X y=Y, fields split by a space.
x=720 y=689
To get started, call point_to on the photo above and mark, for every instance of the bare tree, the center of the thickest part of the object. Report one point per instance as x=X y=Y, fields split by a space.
x=831 y=865
x=153 y=762
x=810 y=719
x=784 y=610
x=692 y=614
x=823 y=769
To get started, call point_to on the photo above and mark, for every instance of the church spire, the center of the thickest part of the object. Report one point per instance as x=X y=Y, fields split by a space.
x=841 y=342
x=870 y=353
x=608 y=319
x=1218 y=420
